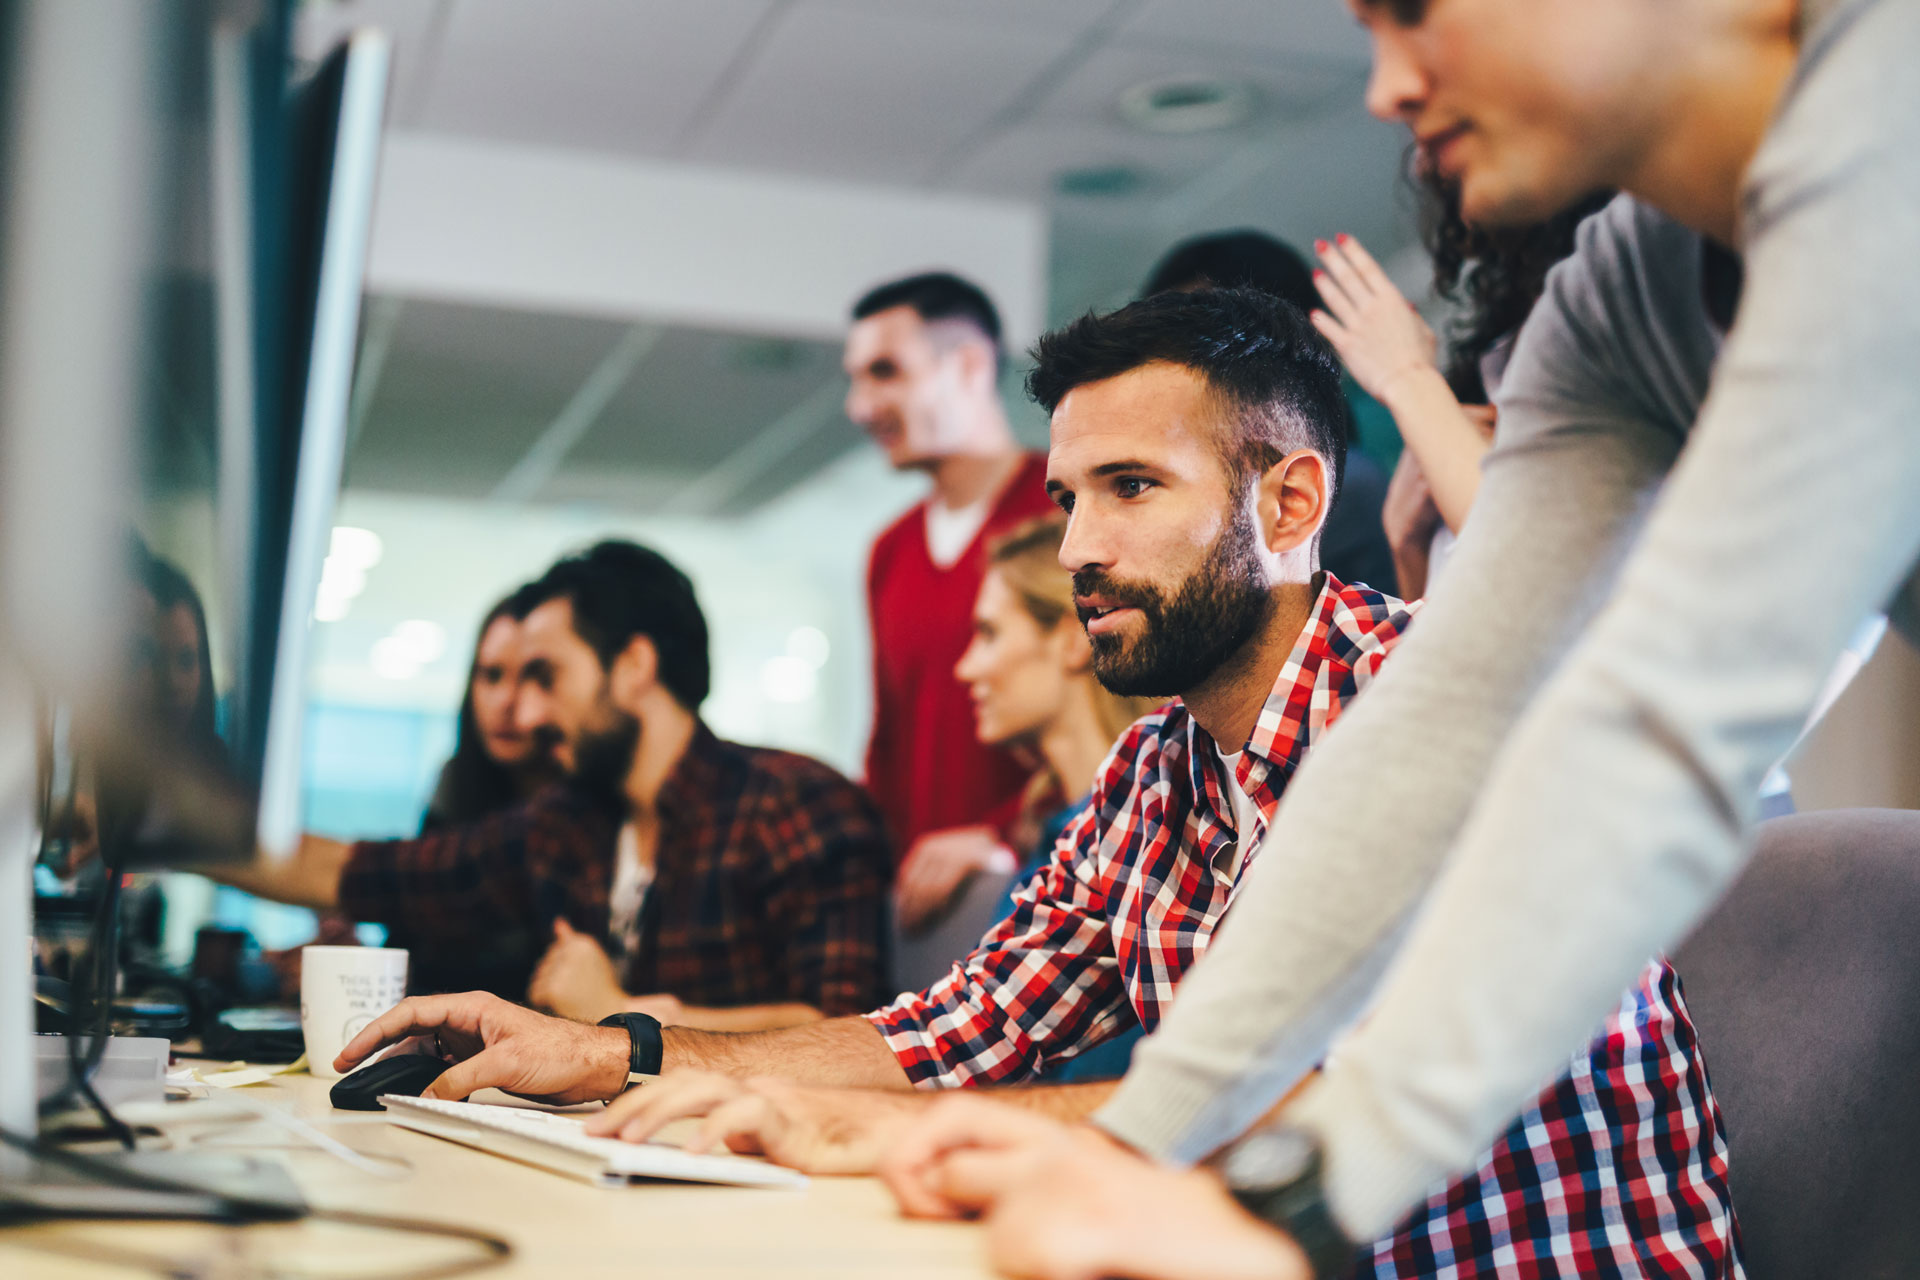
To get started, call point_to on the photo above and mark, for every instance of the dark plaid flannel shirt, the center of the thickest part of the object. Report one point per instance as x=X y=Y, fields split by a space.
x=770 y=885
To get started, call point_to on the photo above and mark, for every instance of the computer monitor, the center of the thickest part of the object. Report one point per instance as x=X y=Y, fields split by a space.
x=185 y=221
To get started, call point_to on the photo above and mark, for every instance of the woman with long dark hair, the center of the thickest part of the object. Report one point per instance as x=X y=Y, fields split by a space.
x=1443 y=409
x=183 y=688
x=494 y=765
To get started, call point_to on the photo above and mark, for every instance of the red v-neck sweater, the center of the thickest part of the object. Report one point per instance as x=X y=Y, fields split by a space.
x=924 y=765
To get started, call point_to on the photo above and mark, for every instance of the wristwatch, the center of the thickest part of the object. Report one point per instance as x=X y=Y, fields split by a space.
x=1275 y=1174
x=645 y=1047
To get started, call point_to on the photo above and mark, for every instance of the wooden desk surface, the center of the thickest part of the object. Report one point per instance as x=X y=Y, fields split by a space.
x=559 y=1226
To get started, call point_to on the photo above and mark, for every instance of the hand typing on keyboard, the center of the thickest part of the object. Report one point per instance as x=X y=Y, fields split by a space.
x=490 y=1043
x=813 y=1128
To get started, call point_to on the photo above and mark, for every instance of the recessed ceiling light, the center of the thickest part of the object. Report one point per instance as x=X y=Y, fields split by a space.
x=1105 y=181
x=1188 y=104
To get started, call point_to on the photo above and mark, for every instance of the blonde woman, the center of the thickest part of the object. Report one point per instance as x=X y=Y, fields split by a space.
x=1029 y=671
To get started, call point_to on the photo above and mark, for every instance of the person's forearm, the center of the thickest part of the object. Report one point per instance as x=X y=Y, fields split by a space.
x=1070 y=1102
x=310 y=878
x=1447 y=443
x=746 y=1017
x=1410 y=567
x=838 y=1051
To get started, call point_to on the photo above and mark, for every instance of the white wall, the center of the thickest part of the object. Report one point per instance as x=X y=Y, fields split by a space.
x=759 y=253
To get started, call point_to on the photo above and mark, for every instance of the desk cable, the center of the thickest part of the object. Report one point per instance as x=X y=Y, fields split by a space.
x=242 y=1211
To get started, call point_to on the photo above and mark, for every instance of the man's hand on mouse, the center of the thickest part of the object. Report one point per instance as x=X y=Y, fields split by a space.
x=496 y=1044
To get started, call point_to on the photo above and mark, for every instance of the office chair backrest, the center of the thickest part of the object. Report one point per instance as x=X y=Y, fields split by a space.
x=1805 y=986
x=920 y=960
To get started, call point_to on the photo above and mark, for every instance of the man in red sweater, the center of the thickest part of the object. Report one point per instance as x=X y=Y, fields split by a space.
x=923 y=358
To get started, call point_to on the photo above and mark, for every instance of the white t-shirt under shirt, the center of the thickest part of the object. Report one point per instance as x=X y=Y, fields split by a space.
x=631 y=880
x=951 y=530
x=1246 y=819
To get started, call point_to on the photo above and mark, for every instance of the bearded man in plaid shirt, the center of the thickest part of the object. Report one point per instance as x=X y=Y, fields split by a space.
x=1196 y=445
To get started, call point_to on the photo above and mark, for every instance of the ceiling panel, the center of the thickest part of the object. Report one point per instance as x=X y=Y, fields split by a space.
x=877 y=93
x=465 y=390
x=1337 y=173
x=831 y=441
x=409 y=23
x=1027 y=163
x=1285 y=88
x=1311 y=28
x=1072 y=16
x=630 y=492
x=699 y=396
x=1077 y=125
x=991 y=96
x=598 y=75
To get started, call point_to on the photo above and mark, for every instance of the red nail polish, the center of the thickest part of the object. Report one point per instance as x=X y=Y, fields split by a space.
x=1344 y=238
x=1320 y=246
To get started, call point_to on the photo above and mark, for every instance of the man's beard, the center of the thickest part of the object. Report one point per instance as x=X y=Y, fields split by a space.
x=603 y=756
x=1185 y=638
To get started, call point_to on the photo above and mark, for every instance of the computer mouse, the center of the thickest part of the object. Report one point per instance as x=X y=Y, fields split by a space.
x=405 y=1073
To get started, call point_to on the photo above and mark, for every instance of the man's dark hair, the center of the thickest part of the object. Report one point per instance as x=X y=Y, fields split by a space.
x=1260 y=355
x=1494 y=275
x=1244 y=259
x=620 y=590
x=936 y=296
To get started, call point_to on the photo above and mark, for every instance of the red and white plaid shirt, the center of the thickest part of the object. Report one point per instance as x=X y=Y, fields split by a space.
x=1619 y=1168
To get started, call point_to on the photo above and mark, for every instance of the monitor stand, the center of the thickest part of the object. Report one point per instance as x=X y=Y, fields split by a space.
x=26 y=1185
x=204 y=1185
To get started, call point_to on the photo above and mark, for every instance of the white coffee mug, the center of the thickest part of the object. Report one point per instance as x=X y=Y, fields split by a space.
x=342 y=989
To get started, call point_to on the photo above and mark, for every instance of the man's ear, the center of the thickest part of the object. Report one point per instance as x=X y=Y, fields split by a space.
x=1290 y=503
x=979 y=363
x=635 y=671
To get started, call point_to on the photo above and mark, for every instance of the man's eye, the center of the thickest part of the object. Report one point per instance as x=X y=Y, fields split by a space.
x=1064 y=501
x=1130 y=486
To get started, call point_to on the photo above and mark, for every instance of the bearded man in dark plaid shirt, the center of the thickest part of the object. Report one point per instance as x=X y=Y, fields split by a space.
x=1196 y=446
x=704 y=882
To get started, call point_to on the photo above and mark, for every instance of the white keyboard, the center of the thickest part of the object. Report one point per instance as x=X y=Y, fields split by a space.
x=557 y=1142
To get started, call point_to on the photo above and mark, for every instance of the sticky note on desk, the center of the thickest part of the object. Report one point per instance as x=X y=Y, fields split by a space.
x=238 y=1075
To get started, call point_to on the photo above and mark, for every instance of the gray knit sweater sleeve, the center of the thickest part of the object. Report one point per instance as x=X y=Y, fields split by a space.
x=1587 y=779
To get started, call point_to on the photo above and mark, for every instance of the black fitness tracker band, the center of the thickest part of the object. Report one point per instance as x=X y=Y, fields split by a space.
x=1275 y=1174
x=645 y=1046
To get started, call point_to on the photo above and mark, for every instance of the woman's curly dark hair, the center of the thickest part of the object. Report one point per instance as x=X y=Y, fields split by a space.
x=1496 y=276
